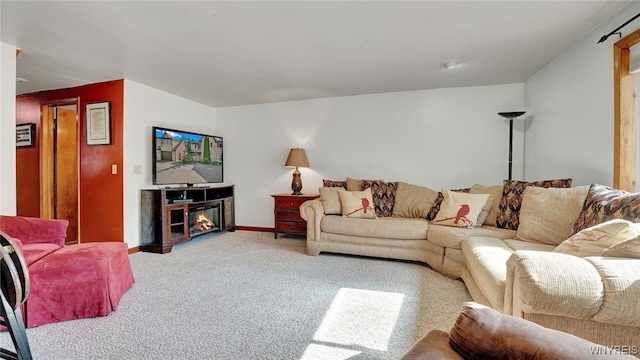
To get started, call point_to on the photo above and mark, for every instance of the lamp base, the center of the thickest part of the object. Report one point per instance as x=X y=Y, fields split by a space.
x=296 y=182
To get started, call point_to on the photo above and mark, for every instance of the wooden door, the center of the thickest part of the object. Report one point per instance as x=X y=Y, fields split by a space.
x=59 y=167
x=66 y=170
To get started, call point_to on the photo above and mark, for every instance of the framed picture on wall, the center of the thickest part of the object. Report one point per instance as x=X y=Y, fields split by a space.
x=25 y=134
x=98 y=118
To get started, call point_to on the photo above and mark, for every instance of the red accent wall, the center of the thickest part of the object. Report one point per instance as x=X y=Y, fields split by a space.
x=101 y=193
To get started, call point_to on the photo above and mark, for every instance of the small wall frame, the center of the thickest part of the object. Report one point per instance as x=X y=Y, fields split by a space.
x=25 y=134
x=98 y=119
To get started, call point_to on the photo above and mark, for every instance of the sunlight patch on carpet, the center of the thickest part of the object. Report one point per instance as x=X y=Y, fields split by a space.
x=361 y=318
x=322 y=352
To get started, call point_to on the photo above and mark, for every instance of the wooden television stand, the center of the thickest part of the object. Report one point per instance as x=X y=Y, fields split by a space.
x=174 y=215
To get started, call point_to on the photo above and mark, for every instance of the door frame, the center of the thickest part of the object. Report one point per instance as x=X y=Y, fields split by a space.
x=47 y=165
x=624 y=120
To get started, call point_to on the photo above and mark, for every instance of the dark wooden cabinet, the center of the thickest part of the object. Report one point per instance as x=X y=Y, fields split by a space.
x=170 y=216
x=286 y=212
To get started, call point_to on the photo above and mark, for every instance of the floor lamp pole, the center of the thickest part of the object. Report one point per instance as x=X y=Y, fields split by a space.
x=510 y=116
x=510 y=146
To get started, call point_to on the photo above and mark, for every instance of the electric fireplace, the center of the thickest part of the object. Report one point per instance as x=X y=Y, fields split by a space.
x=203 y=219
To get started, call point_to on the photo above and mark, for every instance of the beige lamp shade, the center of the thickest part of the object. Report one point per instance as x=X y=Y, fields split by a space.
x=297 y=158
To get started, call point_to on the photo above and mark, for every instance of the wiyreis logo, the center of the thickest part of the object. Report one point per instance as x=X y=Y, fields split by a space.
x=615 y=350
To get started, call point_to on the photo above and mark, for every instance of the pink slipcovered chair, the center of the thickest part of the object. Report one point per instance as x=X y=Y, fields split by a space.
x=68 y=282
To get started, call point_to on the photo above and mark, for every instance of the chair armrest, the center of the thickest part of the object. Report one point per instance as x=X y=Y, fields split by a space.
x=312 y=211
x=593 y=288
x=31 y=230
x=433 y=346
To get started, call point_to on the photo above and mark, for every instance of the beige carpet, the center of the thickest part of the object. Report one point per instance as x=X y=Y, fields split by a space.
x=245 y=295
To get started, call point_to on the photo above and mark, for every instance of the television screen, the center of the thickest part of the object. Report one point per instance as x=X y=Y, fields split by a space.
x=182 y=157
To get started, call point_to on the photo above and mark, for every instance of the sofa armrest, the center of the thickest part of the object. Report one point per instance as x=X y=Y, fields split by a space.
x=597 y=288
x=312 y=211
x=31 y=230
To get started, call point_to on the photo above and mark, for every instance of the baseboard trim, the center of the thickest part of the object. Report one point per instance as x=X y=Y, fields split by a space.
x=134 y=250
x=255 y=228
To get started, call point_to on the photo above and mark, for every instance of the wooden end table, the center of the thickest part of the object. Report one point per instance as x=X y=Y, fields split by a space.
x=286 y=212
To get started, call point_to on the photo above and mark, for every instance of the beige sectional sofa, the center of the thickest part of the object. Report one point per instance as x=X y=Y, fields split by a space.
x=507 y=261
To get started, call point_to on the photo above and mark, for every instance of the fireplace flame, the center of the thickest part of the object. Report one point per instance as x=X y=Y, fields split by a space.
x=202 y=222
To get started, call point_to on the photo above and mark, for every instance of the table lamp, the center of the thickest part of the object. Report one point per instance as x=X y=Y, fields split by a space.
x=297 y=158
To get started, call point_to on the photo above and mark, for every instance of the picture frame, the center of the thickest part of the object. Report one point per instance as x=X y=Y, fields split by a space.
x=98 y=121
x=25 y=134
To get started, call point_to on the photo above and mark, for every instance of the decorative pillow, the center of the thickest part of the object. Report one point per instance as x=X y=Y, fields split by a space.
x=595 y=240
x=357 y=184
x=384 y=196
x=413 y=201
x=334 y=183
x=485 y=211
x=628 y=249
x=547 y=214
x=511 y=201
x=460 y=209
x=436 y=204
x=357 y=204
x=604 y=203
x=331 y=200
x=496 y=194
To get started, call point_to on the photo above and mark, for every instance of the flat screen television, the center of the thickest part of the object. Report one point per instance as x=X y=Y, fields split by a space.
x=183 y=157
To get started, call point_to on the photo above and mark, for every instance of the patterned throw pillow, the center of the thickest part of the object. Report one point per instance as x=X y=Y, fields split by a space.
x=357 y=204
x=384 y=196
x=334 y=183
x=604 y=203
x=594 y=240
x=460 y=209
x=512 y=190
x=436 y=204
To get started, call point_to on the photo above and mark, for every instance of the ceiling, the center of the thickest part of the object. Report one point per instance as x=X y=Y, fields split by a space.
x=229 y=53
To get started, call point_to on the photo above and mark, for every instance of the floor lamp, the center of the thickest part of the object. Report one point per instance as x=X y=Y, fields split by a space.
x=510 y=116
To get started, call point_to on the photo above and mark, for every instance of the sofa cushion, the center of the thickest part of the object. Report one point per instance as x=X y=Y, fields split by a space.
x=383 y=194
x=486 y=260
x=460 y=209
x=334 y=183
x=547 y=215
x=413 y=201
x=496 y=195
x=511 y=201
x=621 y=280
x=516 y=244
x=451 y=237
x=36 y=251
x=389 y=228
x=357 y=204
x=604 y=203
x=331 y=200
x=484 y=333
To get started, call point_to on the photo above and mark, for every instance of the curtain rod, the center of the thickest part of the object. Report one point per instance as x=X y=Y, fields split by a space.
x=605 y=37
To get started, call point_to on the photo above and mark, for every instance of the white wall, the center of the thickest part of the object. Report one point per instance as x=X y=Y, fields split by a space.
x=438 y=138
x=145 y=107
x=571 y=102
x=8 y=129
